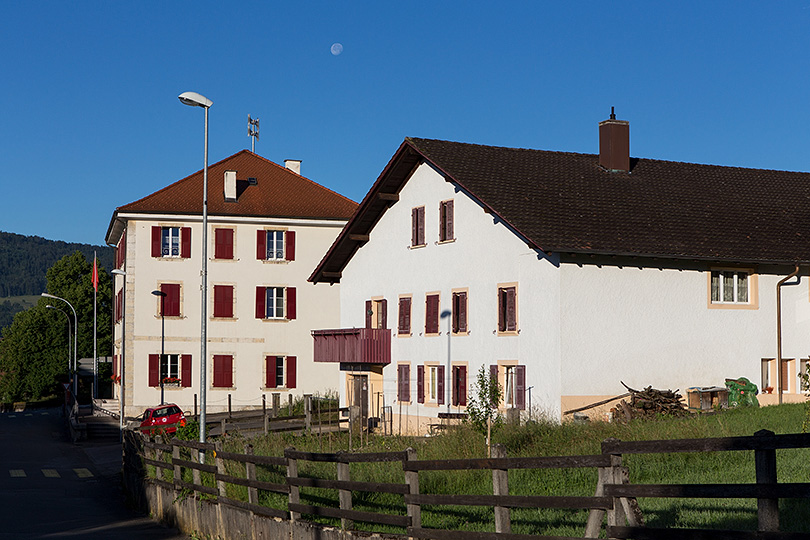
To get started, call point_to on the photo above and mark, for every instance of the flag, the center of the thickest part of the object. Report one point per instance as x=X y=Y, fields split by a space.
x=95 y=273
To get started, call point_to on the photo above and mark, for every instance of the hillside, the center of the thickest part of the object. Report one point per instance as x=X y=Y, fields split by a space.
x=24 y=260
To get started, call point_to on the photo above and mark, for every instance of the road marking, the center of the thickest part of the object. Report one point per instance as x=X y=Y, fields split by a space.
x=83 y=473
x=29 y=414
x=12 y=416
x=17 y=473
x=50 y=473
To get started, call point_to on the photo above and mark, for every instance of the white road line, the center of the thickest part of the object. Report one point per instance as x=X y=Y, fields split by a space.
x=83 y=473
x=17 y=473
x=50 y=473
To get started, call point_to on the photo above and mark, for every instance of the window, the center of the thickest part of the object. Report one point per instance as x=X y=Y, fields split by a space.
x=377 y=313
x=507 y=309
x=275 y=245
x=171 y=242
x=730 y=287
x=121 y=250
x=515 y=387
x=223 y=371
x=223 y=243
x=223 y=301
x=119 y=305
x=275 y=303
x=418 y=226
x=459 y=312
x=280 y=371
x=404 y=326
x=446 y=221
x=169 y=303
x=430 y=384
x=173 y=366
x=432 y=314
x=404 y=382
x=459 y=388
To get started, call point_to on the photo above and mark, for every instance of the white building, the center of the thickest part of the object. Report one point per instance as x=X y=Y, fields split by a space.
x=565 y=274
x=268 y=227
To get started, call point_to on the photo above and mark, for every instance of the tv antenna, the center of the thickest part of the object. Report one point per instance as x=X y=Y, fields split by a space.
x=253 y=132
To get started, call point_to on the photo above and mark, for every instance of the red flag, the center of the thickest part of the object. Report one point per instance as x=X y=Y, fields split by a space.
x=95 y=274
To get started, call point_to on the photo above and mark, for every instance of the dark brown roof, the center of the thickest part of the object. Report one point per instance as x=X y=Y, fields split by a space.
x=566 y=202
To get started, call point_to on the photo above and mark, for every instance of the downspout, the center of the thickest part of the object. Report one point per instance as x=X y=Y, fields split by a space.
x=779 y=381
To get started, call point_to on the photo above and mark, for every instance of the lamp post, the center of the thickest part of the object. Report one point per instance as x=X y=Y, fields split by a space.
x=68 y=321
x=447 y=314
x=194 y=99
x=162 y=296
x=75 y=344
x=122 y=273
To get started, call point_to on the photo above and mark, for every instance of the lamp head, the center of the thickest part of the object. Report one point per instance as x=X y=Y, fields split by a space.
x=159 y=293
x=118 y=272
x=194 y=99
x=446 y=313
x=46 y=295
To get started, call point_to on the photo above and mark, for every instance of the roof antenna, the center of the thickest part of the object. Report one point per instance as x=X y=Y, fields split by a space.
x=253 y=132
x=612 y=114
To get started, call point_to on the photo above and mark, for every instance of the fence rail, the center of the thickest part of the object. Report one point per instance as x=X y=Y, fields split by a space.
x=614 y=496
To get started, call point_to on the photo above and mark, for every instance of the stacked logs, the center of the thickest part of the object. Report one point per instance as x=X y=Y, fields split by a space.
x=649 y=403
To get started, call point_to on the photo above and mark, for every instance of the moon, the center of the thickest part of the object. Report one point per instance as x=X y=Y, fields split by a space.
x=337 y=48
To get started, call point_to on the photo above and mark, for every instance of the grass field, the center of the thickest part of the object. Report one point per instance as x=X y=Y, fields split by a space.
x=547 y=439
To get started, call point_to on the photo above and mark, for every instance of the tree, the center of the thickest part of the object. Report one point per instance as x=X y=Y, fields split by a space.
x=34 y=348
x=482 y=409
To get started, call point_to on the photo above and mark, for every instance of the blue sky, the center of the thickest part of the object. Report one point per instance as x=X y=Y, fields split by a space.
x=90 y=120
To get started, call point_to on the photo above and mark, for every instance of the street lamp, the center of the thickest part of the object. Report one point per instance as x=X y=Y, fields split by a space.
x=194 y=99
x=68 y=320
x=162 y=296
x=75 y=344
x=447 y=314
x=122 y=273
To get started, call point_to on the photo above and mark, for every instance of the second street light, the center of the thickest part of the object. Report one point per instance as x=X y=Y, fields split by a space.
x=68 y=321
x=75 y=344
x=163 y=362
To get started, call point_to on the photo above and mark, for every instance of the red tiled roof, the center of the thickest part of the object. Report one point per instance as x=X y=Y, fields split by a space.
x=278 y=192
x=566 y=202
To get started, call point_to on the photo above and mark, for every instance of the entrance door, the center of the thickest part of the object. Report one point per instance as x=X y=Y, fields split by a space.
x=360 y=395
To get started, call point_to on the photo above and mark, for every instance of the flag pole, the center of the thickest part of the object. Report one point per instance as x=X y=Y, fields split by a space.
x=95 y=337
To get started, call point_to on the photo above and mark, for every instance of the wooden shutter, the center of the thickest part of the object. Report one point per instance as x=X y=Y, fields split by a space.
x=291 y=303
x=448 y=220
x=171 y=302
x=493 y=375
x=520 y=387
x=261 y=298
x=291 y=368
x=289 y=245
x=368 y=313
x=420 y=384
x=154 y=370
x=440 y=385
x=223 y=301
x=432 y=314
x=420 y=233
x=383 y=316
x=414 y=227
x=261 y=244
x=462 y=385
x=223 y=243
x=270 y=371
x=185 y=242
x=156 y=241
x=404 y=385
x=223 y=370
x=404 y=316
x=461 y=309
x=185 y=370
x=511 y=309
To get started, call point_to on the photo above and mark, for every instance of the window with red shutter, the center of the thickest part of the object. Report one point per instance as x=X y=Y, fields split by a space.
x=404 y=325
x=507 y=309
x=418 y=226
x=154 y=370
x=432 y=314
x=459 y=391
x=223 y=301
x=446 y=221
x=170 y=303
x=223 y=371
x=291 y=371
x=420 y=384
x=270 y=245
x=223 y=243
x=459 y=315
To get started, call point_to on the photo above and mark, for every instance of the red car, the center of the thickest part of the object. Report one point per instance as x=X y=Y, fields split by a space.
x=165 y=418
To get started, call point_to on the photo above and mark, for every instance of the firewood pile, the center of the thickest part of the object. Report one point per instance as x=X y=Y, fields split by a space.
x=648 y=403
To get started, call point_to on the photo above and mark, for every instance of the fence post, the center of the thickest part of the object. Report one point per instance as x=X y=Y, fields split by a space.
x=412 y=479
x=616 y=514
x=230 y=410
x=221 y=488
x=176 y=471
x=264 y=412
x=765 y=465
x=195 y=408
x=196 y=475
x=289 y=404
x=223 y=428
x=500 y=486
x=276 y=403
x=596 y=515
x=250 y=473
x=292 y=472
x=308 y=412
x=344 y=495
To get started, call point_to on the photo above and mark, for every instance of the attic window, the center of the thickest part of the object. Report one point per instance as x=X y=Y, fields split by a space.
x=252 y=181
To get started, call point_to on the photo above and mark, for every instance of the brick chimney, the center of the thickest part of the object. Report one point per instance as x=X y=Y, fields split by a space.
x=614 y=144
x=230 y=186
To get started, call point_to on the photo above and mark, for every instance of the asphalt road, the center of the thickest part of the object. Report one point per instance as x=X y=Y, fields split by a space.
x=51 y=488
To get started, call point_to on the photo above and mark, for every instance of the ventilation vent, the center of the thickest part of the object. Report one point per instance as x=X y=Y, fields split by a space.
x=252 y=181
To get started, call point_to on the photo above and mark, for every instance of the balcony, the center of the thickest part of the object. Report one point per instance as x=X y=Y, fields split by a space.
x=353 y=345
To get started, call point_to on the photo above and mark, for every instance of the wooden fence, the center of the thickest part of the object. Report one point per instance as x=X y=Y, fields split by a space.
x=614 y=497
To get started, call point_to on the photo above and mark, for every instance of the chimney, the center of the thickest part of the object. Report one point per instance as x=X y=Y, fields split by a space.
x=230 y=186
x=614 y=144
x=294 y=165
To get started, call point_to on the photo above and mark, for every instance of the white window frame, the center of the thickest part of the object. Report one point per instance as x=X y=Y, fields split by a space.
x=722 y=276
x=169 y=366
x=275 y=302
x=281 y=375
x=274 y=245
x=432 y=393
x=169 y=241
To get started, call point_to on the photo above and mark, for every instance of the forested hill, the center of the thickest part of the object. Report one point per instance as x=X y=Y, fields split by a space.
x=24 y=260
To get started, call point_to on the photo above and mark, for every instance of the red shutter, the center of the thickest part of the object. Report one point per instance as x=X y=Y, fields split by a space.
x=261 y=298
x=520 y=387
x=432 y=314
x=414 y=227
x=369 y=312
x=420 y=384
x=223 y=370
x=448 y=220
x=511 y=309
x=261 y=245
x=461 y=309
x=270 y=371
x=171 y=302
x=289 y=245
x=420 y=232
x=291 y=303
x=154 y=370
x=440 y=385
x=493 y=375
x=223 y=243
x=462 y=385
x=404 y=316
x=185 y=370
x=185 y=242
x=291 y=368
x=155 y=241
x=384 y=313
x=223 y=301
x=404 y=383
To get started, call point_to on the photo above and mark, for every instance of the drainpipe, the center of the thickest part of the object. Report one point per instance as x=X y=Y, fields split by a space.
x=779 y=381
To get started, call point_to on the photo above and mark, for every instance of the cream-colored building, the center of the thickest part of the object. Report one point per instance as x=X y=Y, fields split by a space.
x=268 y=227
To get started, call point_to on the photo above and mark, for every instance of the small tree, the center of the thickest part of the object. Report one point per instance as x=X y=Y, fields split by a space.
x=482 y=408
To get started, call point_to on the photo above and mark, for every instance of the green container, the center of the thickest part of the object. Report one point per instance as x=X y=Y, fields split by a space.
x=742 y=393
